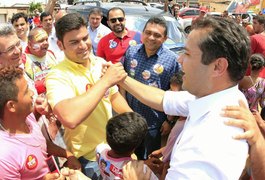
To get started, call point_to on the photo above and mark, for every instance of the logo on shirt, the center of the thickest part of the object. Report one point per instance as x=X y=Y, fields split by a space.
x=146 y=74
x=112 y=44
x=88 y=86
x=132 y=72
x=132 y=43
x=133 y=63
x=31 y=162
x=158 y=68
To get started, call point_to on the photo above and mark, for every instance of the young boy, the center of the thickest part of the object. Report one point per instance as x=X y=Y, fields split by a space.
x=124 y=133
x=24 y=150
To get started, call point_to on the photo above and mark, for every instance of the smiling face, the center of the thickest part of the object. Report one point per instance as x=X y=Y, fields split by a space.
x=153 y=37
x=116 y=21
x=194 y=71
x=77 y=45
x=21 y=27
x=10 y=51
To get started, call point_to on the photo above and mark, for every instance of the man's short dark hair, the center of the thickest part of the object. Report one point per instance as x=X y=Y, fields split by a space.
x=125 y=132
x=16 y=16
x=115 y=9
x=9 y=89
x=45 y=14
x=157 y=20
x=96 y=11
x=225 y=39
x=67 y=23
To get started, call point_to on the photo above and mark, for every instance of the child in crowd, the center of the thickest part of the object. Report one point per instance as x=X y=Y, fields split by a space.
x=177 y=124
x=124 y=133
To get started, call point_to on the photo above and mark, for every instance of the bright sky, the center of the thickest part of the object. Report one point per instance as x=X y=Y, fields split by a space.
x=11 y=2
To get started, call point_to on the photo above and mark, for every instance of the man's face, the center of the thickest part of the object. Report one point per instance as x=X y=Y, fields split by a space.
x=116 y=21
x=21 y=27
x=258 y=28
x=39 y=45
x=77 y=45
x=24 y=103
x=10 y=51
x=153 y=37
x=194 y=71
x=94 y=20
x=47 y=23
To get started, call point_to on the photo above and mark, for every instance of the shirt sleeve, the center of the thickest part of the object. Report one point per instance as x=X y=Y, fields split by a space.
x=100 y=50
x=8 y=170
x=58 y=87
x=176 y=103
x=253 y=44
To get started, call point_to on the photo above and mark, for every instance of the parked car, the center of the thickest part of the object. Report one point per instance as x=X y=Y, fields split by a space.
x=218 y=14
x=189 y=12
x=156 y=5
x=137 y=14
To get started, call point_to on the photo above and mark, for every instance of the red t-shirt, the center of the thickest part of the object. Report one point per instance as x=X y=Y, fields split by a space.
x=258 y=46
x=112 y=48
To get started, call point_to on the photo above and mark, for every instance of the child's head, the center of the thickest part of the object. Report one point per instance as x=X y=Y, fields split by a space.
x=125 y=132
x=9 y=76
x=176 y=81
x=256 y=61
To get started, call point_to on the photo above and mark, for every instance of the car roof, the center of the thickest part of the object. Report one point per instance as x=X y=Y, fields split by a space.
x=188 y=8
x=128 y=7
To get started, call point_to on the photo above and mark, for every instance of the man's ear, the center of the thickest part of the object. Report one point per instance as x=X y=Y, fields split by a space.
x=220 y=66
x=10 y=106
x=60 y=45
x=108 y=23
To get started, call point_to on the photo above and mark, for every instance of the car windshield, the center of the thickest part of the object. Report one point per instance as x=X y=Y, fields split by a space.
x=137 y=23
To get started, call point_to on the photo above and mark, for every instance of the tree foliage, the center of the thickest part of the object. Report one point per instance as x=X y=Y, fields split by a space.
x=33 y=6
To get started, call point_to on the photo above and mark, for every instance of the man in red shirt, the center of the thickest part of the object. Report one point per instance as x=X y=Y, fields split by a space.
x=113 y=46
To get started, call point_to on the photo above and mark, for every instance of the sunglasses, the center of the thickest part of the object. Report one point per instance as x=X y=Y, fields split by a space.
x=120 y=19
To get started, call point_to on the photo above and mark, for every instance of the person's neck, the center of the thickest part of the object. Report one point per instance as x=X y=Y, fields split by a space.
x=150 y=53
x=24 y=38
x=48 y=31
x=254 y=75
x=94 y=28
x=15 y=125
x=121 y=34
x=113 y=154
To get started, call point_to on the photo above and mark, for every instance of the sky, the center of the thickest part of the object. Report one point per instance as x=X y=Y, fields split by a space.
x=11 y=2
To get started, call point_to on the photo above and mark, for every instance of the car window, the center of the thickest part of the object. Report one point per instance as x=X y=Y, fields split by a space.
x=189 y=12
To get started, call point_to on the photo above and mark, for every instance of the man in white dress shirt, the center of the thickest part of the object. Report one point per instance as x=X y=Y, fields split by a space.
x=215 y=59
x=96 y=29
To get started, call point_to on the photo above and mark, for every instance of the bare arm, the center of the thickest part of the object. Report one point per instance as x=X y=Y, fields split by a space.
x=50 y=6
x=74 y=111
x=150 y=96
x=119 y=104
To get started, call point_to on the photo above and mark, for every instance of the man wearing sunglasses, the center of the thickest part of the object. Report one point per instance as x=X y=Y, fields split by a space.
x=113 y=46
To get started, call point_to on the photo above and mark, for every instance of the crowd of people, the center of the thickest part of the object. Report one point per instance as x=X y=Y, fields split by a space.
x=62 y=82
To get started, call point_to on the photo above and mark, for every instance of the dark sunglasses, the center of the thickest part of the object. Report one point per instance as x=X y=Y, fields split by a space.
x=120 y=19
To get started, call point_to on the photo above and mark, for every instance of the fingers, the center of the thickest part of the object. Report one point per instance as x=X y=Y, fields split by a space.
x=242 y=104
x=247 y=135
